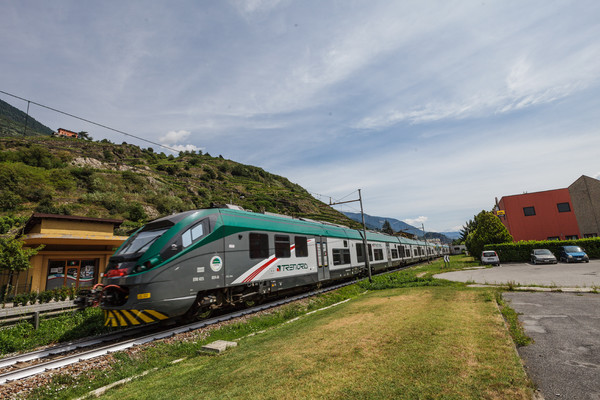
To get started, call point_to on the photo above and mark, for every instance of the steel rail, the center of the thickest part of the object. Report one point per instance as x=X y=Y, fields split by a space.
x=26 y=372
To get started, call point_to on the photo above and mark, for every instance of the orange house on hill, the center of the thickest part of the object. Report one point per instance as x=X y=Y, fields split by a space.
x=65 y=133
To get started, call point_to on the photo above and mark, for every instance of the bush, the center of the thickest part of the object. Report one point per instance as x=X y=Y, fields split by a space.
x=520 y=251
x=45 y=296
x=136 y=212
x=9 y=201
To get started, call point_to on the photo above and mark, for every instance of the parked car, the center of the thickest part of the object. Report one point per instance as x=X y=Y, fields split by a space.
x=542 y=256
x=573 y=254
x=490 y=257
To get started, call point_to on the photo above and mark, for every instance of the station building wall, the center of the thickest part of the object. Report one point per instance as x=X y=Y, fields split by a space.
x=75 y=253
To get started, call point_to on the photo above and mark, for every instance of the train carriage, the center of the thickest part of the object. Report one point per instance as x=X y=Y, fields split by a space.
x=200 y=260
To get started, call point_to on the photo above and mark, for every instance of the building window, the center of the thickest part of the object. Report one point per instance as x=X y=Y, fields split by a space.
x=571 y=237
x=590 y=235
x=72 y=273
x=301 y=246
x=553 y=238
x=282 y=246
x=529 y=211
x=259 y=245
x=563 y=207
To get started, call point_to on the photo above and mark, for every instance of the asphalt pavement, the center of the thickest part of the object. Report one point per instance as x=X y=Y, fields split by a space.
x=564 y=360
x=561 y=275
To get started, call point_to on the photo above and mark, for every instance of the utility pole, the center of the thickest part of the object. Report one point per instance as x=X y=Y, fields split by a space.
x=364 y=235
x=425 y=239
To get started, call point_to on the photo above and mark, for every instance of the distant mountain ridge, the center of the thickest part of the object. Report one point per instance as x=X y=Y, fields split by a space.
x=376 y=223
x=12 y=123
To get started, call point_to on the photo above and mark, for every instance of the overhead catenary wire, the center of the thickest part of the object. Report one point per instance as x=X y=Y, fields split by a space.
x=87 y=120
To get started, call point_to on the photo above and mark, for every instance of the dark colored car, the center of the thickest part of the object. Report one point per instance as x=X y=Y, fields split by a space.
x=542 y=256
x=573 y=254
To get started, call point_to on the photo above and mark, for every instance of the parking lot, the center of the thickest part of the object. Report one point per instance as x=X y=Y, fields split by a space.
x=580 y=276
x=564 y=359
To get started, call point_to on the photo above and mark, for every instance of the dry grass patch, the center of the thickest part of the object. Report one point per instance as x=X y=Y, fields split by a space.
x=413 y=343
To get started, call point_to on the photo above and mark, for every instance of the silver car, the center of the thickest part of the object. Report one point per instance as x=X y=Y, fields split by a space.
x=490 y=257
x=542 y=256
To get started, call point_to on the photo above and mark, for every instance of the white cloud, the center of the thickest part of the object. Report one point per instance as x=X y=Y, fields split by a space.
x=416 y=221
x=185 y=147
x=173 y=137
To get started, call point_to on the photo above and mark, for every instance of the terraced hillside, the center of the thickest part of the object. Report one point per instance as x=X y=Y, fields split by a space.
x=102 y=179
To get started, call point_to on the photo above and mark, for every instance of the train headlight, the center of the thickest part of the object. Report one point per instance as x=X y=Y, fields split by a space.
x=149 y=264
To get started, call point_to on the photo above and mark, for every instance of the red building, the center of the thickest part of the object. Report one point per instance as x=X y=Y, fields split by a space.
x=560 y=214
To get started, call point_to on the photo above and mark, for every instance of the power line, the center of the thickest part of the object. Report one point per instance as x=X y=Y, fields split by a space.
x=88 y=121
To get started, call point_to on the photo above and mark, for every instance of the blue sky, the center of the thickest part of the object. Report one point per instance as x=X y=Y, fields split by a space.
x=433 y=109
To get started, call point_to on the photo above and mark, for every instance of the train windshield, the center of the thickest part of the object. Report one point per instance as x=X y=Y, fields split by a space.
x=141 y=241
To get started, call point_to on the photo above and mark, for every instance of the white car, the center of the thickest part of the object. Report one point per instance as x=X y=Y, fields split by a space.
x=490 y=257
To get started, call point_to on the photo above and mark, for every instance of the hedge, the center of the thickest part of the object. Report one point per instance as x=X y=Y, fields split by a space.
x=521 y=251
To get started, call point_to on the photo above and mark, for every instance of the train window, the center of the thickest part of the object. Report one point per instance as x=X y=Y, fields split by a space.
x=341 y=256
x=191 y=235
x=394 y=253
x=359 y=252
x=259 y=245
x=301 y=246
x=282 y=246
x=345 y=243
x=370 y=252
x=378 y=254
x=408 y=252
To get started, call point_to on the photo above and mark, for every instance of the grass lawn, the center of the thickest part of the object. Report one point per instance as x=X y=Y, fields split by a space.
x=432 y=342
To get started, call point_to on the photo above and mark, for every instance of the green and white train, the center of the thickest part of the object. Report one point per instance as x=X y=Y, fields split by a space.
x=195 y=261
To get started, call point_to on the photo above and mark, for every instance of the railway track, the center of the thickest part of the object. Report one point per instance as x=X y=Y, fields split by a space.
x=37 y=362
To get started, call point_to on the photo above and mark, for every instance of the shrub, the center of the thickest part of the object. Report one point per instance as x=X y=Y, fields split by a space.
x=9 y=201
x=136 y=212
x=520 y=251
x=33 y=297
x=45 y=296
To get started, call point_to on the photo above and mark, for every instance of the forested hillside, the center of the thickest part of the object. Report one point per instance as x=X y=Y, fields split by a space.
x=13 y=120
x=102 y=179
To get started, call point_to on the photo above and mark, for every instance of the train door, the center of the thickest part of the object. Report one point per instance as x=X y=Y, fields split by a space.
x=389 y=254
x=322 y=259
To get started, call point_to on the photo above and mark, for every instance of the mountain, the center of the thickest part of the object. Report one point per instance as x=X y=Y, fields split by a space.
x=123 y=181
x=12 y=123
x=451 y=235
x=376 y=223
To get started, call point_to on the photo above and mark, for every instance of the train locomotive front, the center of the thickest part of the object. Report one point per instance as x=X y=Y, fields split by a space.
x=156 y=274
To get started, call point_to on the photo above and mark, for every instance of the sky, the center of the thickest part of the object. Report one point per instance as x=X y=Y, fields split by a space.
x=432 y=108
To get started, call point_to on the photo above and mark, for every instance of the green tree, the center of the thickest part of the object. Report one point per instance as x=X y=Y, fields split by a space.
x=14 y=258
x=488 y=230
x=387 y=228
x=84 y=135
x=466 y=229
